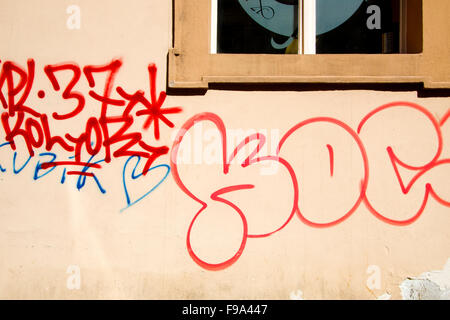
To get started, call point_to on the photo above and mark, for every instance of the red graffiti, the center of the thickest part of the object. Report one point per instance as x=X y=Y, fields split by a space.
x=421 y=171
x=380 y=156
x=215 y=195
x=331 y=154
x=34 y=128
x=364 y=179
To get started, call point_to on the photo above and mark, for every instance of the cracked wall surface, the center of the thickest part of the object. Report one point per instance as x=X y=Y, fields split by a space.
x=433 y=285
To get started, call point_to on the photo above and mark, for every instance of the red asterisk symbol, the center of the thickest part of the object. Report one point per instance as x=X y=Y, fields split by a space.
x=153 y=109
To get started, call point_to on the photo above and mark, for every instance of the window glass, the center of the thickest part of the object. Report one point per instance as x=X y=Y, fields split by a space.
x=257 y=26
x=329 y=26
x=357 y=26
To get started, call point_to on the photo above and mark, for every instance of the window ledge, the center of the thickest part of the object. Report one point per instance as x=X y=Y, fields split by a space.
x=192 y=66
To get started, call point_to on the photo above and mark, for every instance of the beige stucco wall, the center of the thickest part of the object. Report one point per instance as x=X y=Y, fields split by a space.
x=46 y=226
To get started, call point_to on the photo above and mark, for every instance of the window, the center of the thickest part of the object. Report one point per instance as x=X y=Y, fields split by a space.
x=327 y=26
x=312 y=41
x=254 y=26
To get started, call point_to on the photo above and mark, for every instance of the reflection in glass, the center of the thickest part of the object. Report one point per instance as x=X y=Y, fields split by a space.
x=341 y=26
x=357 y=26
x=257 y=26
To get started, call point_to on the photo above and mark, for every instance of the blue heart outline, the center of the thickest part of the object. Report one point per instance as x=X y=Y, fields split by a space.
x=135 y=176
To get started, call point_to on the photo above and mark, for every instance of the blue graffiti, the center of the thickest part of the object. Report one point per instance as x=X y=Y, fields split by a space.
x=135 y=176
x=39 y=168
x=50 y=157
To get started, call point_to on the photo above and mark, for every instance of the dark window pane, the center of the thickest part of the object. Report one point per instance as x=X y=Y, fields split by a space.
x=357 y=26
x=257 y=26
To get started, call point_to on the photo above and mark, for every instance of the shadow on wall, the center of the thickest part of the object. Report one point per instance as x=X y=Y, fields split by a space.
x=301 y=87
x=392 y=87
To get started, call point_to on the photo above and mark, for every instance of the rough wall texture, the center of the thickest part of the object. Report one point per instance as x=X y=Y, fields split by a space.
x=434 y=285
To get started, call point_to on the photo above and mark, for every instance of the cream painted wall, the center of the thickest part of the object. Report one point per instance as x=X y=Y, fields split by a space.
x=140 y=253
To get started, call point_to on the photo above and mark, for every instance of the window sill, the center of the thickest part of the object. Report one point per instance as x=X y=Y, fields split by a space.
x=320 y=68
x=192 y=66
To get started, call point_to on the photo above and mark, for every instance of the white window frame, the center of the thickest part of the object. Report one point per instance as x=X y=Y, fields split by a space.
x=309 y=26
x=214 y=13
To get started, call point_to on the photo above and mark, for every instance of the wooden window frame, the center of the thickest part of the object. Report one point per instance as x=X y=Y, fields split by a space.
x=191 y=65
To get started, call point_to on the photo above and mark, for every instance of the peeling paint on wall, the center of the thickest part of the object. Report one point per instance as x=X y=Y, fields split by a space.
x=434 y=285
